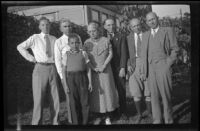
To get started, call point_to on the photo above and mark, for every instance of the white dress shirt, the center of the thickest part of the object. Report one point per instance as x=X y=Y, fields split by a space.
x=60 y=48
x=136 y=39
x=154 y=31
x=37 y=44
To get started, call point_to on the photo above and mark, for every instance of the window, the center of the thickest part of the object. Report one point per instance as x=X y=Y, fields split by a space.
x=50 y=16
x=103 y=17
x=95 y=15
x=117 y=22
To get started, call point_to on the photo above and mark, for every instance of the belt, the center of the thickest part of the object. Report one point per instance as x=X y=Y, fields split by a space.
x=46 y=64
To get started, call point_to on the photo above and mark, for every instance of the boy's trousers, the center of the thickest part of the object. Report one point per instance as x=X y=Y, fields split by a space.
x=78 y=86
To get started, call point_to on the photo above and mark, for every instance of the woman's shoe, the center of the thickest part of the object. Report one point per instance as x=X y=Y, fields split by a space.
x=107 y=121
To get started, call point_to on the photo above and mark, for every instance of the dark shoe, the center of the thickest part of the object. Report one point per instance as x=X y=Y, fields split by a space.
x=97 y=121
x=139 y=119
x=148 y=107
x=123 y=116
x=147 y=114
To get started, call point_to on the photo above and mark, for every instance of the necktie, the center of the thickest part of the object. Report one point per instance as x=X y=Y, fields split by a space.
x=110 y=36
x=48 y=46
x=154 y=32
x=138 y=46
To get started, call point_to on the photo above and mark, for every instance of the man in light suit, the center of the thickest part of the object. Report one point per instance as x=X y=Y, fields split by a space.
x=159 y=52
x=138 y=87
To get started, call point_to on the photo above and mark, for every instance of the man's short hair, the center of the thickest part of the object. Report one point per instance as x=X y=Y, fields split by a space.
x=72 y=36
x=95 y=23
x=63 y=20
x=75 y=36
x=43 y=18
x=152 y=13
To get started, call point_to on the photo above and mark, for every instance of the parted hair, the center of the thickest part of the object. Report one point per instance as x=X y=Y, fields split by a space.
x=74 y=36
x=43 y=18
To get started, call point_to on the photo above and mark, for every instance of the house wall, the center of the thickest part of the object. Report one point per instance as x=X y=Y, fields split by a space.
x=102 y=12
x=74 y=12
x=79 y=14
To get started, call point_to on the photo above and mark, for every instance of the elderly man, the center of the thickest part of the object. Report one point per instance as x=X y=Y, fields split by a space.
x=138 y=87
x=44 y=72
x=60 y=48
x=159 y=51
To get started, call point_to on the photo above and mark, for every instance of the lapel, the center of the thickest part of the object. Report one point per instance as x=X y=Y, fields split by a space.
x=131 y=45
x=161 y=35
x=116 y=39
x=145 y=40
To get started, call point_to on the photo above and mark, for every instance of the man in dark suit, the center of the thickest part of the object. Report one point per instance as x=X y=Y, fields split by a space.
x=159 y=52
x=138 y=87
x=118 y=62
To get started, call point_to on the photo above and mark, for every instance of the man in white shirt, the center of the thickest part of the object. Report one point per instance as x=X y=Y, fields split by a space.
x=44 y=72
x=60 y=49
x=138 y=87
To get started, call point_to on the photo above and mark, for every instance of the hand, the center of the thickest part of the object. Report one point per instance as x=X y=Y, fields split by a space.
x=96 y=70
x=67 y=89
x=65 y=86
x=101 y=69
x=130 y=69
x=142 y=77
x=122 y=72
x=90 y=88
x=33 y=60
x=169 y=61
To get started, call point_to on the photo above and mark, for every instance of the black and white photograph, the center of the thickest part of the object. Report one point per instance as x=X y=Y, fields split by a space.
x=106 y=64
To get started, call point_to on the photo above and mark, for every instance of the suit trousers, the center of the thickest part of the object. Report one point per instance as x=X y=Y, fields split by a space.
x=45 y=76
x=137 y=87
x=78 y=96
x=121 y=89
x=160 y=84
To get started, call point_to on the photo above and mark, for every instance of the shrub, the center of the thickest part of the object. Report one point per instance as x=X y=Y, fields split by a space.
x=19 y=71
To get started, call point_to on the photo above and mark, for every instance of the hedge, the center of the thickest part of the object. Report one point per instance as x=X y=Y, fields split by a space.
x=19 y=71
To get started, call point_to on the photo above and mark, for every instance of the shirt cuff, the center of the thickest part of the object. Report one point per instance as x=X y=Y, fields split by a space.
x=87 y=61
x=61 y=77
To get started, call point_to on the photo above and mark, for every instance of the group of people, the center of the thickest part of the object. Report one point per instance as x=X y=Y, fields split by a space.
x=93 y=73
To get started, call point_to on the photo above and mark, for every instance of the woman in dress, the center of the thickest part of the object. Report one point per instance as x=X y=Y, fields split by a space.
x=104 y=98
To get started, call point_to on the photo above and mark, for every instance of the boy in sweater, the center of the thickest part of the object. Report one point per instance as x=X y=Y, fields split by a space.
x=77 y=76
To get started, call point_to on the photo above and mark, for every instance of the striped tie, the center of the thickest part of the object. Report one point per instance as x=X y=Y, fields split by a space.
x=138 y=46
x=48 y=46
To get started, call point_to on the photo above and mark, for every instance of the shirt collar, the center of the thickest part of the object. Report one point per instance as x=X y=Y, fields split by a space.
x=43 y=34
x=65 y=36
x=155 y=30
x=72 y=51
x=110 y=34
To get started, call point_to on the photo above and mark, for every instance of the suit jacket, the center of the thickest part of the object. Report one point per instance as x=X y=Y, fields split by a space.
x=131 y=50
x=167 y=39
x=120 y=51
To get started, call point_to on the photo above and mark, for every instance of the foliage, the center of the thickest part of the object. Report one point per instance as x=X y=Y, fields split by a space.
x=18 y=70
x=134 y=11
x=182 y=27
